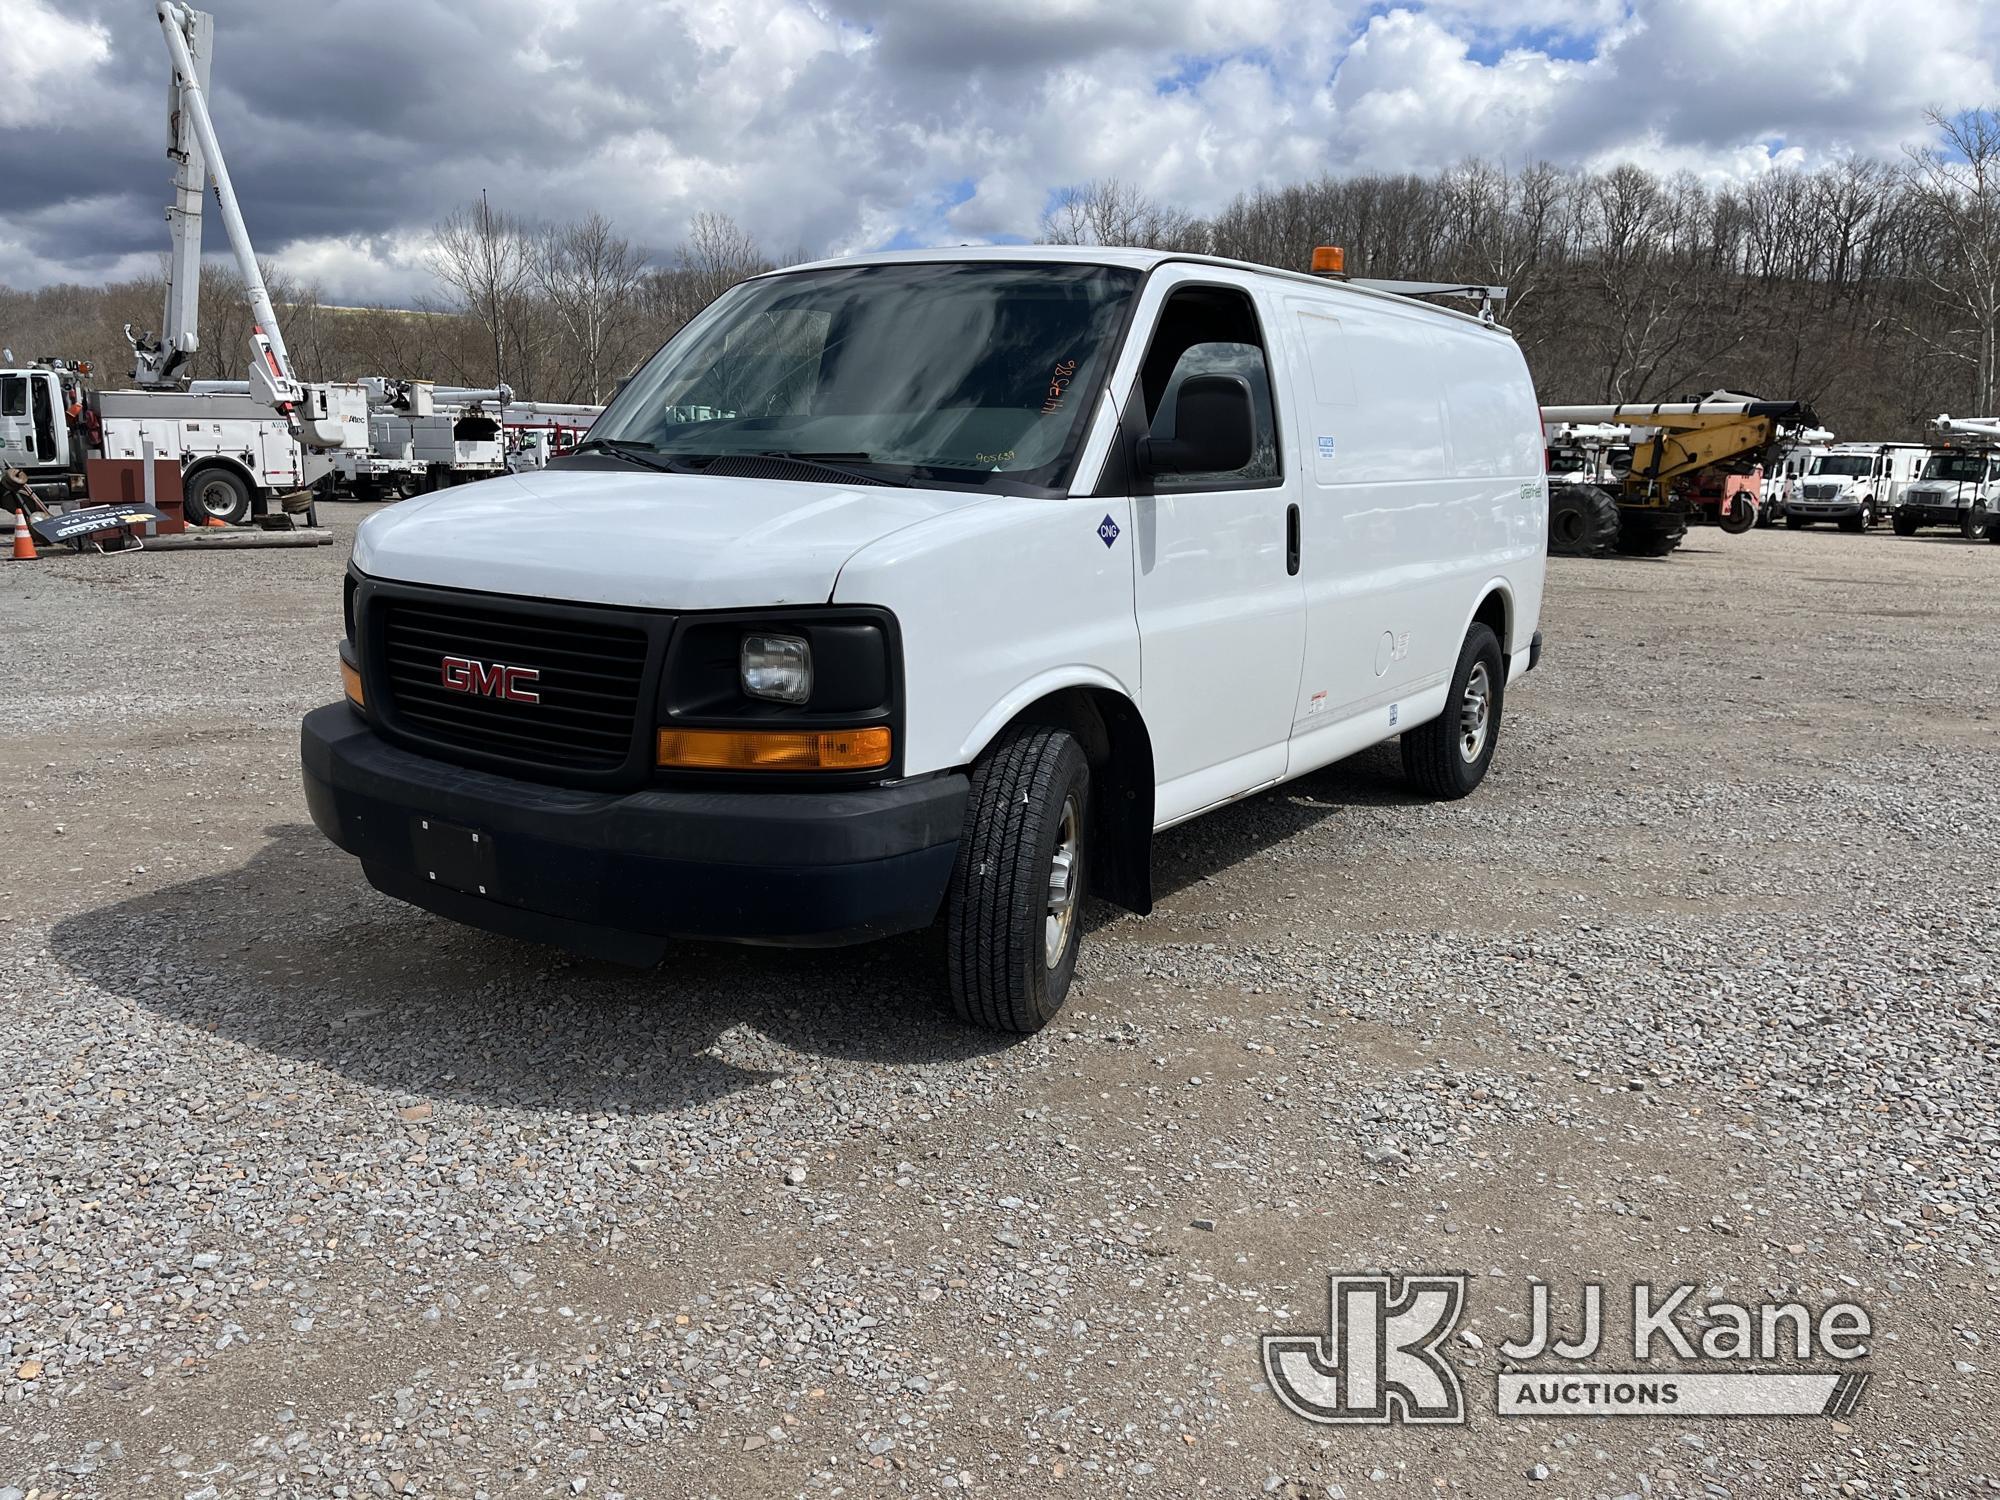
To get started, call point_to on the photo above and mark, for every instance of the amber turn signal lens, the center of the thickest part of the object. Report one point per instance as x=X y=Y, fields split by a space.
x=350 y=681
x=774 y=749
x=1329 y=260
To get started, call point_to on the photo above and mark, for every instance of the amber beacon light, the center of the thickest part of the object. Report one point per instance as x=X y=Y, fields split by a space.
x=1329 y=260
x=774 y=749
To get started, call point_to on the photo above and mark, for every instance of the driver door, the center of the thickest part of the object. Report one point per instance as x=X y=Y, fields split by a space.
x=1220 y=606
x=17 y=427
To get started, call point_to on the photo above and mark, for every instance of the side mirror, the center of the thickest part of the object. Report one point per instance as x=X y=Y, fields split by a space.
x=1213 y=429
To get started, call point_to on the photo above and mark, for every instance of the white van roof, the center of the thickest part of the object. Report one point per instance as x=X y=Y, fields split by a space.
x=1116 y=255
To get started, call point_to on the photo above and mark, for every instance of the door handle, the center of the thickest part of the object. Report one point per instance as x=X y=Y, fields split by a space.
x=1292 y=540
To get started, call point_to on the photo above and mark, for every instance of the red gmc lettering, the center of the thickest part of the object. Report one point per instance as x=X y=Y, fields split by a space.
x=462 y=674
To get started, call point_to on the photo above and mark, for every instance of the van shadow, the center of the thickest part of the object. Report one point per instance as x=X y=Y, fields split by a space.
x=1217 y=841
x=293 y=954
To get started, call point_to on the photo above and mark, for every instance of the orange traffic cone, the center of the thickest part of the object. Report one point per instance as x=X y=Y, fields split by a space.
x=216 y=521
x=24 y=539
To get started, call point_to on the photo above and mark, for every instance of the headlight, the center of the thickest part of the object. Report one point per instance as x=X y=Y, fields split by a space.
x=777 y=668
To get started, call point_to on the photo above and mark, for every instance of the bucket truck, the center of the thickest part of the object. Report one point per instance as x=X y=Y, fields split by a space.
x=425 y=437
x=1960 y=483
x=239 y=449
x=1643 y=508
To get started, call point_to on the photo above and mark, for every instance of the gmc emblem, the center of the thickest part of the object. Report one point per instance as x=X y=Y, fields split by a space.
x=490 y=679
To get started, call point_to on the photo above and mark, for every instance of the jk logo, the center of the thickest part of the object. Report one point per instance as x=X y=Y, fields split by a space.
x=1378 y=1361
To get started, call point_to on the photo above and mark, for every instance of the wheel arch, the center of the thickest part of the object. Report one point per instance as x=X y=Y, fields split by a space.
x=223 y=461
x=1097 y=710
x=1495 y=610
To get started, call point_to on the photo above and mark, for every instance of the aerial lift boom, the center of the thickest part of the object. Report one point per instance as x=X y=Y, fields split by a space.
x=198 y=155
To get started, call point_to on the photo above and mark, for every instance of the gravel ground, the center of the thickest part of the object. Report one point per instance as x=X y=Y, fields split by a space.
x=306 y=1192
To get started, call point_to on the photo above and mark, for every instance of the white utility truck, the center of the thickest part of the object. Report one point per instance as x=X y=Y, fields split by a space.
x=932 y=585
x=1853 y=484
x=423 y=436
x=1960 y=483
x=240 y=445
x=538 y=431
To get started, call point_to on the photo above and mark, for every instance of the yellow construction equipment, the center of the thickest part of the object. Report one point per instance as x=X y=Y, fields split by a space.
x=1642 y=508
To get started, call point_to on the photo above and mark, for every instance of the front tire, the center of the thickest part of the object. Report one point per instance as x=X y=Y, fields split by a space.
x=1013 y=914
x=1904 y=525
x=1447 y=758
x=1583 y=520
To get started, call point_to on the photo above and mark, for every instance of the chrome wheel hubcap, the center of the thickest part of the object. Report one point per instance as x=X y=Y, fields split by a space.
x=1475 y=712
x=1064 y=869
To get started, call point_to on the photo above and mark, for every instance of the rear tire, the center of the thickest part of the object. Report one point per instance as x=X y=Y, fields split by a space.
x=220 y=493
x=1448 y=757
x=1649 y=533
x=1014 y=912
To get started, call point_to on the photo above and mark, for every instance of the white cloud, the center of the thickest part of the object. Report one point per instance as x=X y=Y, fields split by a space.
x=48 y=54
x=353 y=125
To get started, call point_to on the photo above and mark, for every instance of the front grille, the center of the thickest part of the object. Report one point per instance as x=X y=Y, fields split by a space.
x=1822 y=491
x=589 y=683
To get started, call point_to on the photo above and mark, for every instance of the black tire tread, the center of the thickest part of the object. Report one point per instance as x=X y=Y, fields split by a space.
x=996 y=903
x=1430 y=751
x=1600 y=510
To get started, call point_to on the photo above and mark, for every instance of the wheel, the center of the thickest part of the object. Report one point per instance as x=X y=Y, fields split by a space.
x=1742 y=515
x=1904 y=525
x=1852 y=523
x=1649 y=533
x=1583 y=520
x=1973 y=526
x=1868 y=516
x=220 y=493
x=1013 y=914
x=1448 y=757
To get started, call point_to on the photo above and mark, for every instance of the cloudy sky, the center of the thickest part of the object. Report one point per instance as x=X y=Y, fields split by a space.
x=352 y=125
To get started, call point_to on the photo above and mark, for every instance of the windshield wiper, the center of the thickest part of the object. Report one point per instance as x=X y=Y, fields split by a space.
x=839 y=463
x=830 y=463
x=629 y=449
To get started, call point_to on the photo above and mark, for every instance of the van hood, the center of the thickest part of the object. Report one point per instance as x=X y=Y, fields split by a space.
x=650 y=541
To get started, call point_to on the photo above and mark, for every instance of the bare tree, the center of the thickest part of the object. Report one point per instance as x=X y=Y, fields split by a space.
x=590 y=278
x=486 y=259
x=1110 y=212
x=1957 y=184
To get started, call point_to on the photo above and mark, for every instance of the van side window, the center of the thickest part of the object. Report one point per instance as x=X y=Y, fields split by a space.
x=13 y=396
x=1210 y=331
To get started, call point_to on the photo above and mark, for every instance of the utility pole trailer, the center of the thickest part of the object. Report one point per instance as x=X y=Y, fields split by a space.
x=1644 y=509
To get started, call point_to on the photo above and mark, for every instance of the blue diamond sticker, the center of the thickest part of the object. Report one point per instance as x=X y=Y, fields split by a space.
x=1108 y=530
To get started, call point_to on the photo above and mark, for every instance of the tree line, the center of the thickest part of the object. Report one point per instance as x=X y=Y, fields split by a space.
x=1870 y=288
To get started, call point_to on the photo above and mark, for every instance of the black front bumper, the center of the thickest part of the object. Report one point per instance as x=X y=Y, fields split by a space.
x=1932 y=515
x=619 y=875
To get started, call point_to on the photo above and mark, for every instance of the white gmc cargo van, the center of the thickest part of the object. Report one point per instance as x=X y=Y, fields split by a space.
x=934 y=584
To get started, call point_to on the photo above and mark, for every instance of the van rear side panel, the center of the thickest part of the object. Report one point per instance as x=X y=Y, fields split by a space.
x=1424 y=491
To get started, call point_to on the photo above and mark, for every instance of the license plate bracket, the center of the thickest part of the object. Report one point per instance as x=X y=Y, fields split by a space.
x=453 y=855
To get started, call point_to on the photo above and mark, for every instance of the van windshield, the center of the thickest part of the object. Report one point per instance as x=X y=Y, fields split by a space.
x=969 y=374
x=1955 y=466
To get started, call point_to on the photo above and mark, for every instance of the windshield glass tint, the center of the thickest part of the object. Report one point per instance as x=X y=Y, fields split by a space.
x=1853 y=465
x=970 y=374
x=1955 y=466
